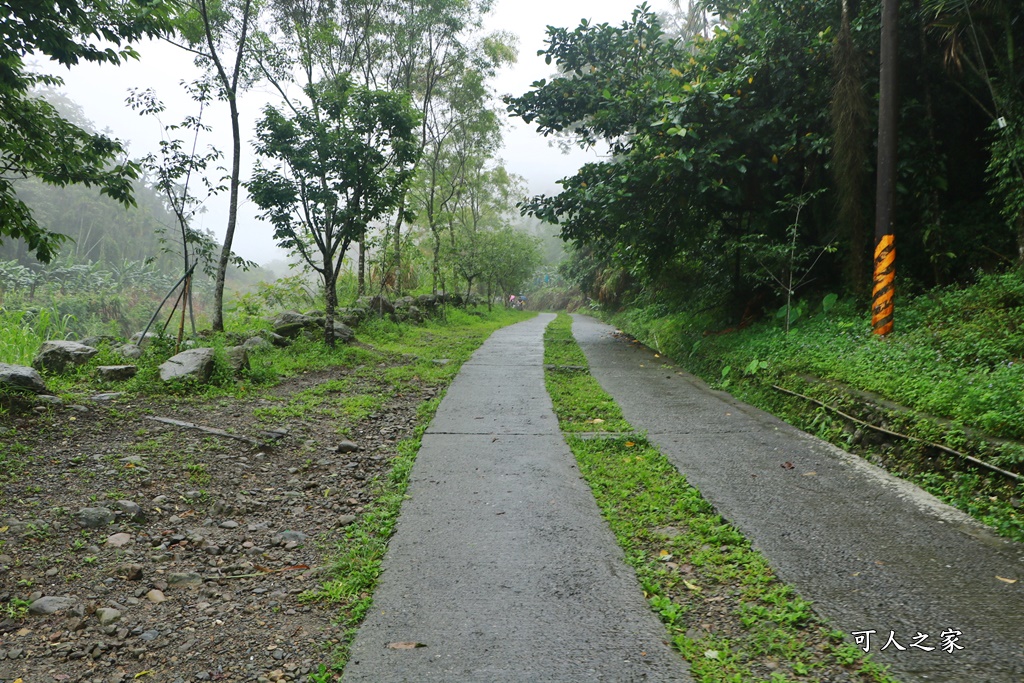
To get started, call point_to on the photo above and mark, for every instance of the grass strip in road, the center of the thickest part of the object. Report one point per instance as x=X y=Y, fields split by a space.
x=724 y=608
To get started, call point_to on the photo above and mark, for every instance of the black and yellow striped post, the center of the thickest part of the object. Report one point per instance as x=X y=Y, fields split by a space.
x=885 y=198
x=885 y=286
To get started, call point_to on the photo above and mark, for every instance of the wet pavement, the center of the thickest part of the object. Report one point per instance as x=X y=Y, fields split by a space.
x=501 y=566
x=877 y=555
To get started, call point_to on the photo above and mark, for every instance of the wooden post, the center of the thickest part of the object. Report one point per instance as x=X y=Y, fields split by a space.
x=885 y=197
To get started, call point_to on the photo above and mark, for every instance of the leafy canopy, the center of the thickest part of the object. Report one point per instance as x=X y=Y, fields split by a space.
x=35 y=141
x=340 y=164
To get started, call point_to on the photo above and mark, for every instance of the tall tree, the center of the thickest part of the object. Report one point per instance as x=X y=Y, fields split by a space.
x=35 y=141
x=218 y=32
x=338 y=165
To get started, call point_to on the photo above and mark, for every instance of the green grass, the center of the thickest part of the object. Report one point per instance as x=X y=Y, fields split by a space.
x=21 y=333
x=694 y=567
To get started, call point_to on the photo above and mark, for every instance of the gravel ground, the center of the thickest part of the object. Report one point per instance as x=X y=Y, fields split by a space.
x=153 y=552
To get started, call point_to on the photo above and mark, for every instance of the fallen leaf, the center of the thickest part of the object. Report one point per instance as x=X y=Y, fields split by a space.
x=692 y=586
x=786 y=465
x=3 y=529
x=657 y=356
x=630 y=444
x=1006 y=580
x=405 y=645
x=711 y=654
x=144 y=673
x=23 y=632
x=595 y=421
x=664 y=556
x=810 y=474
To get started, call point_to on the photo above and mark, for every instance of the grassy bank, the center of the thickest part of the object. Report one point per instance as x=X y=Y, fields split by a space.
x=724 y=609
x=952 y=373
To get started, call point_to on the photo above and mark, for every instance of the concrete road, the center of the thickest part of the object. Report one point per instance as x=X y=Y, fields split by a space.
x=501 y=564
x=873 y=552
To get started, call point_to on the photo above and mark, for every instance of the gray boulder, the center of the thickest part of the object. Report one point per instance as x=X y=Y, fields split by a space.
x=57 y=355
x=194 y=363
x=380 y=305
x=51 y=604
x=130 y=351
x=291 y=323
x=238 y=358
x=427 y=300
x=254 y=343
x=116 y=373
x=94 y=518
x=100 y=339
x=22 y=378
x=138 y=338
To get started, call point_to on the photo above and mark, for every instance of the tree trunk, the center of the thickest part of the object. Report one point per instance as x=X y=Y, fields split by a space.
x=437 y=257
x=330 y=300
x=850 y=122
x=361 y=287
x=229 y=235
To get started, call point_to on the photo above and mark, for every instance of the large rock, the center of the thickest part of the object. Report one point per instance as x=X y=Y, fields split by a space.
x=116 y=373
x=342 y=332
x=22 y=378
x=99 y=340
x=51 y=604
x=255 y=343
x=57 y=355
x=238 y=358
x=290 y=323
x=130 y=351
x=138 y=338
x=194 y=363
x=380 y=305
x=94 y=518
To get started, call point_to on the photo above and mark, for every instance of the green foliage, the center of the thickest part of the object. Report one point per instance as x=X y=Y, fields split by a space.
x=37 y=141
x=956 y=355
x=338 y=165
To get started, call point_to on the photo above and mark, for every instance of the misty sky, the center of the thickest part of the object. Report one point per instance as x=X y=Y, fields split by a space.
x=101 y=92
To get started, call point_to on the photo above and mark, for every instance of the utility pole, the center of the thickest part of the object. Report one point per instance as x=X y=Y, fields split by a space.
x=885 y=194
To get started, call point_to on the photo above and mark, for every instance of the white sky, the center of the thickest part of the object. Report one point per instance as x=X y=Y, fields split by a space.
x=101 y=92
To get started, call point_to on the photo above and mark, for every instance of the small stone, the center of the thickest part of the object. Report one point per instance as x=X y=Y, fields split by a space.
x=119 y=540
x=345 y=520
x=149 y=636
x=228 y=524
x=131 y=510
x=134 y=572
x=278 y=654
x=289 y=536
x=107 y=396
x=108 y=615
x=184 y=579
x=94 y=518
x=156 y=596
x=51 y=604
x=116 y=373
x=346 y=446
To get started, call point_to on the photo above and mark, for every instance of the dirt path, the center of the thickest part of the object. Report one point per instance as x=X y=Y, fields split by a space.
x=195 y=548
x=875 y=553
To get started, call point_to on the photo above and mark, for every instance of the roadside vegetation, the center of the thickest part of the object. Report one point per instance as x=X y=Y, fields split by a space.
x=723 y=607
x=951 y=374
